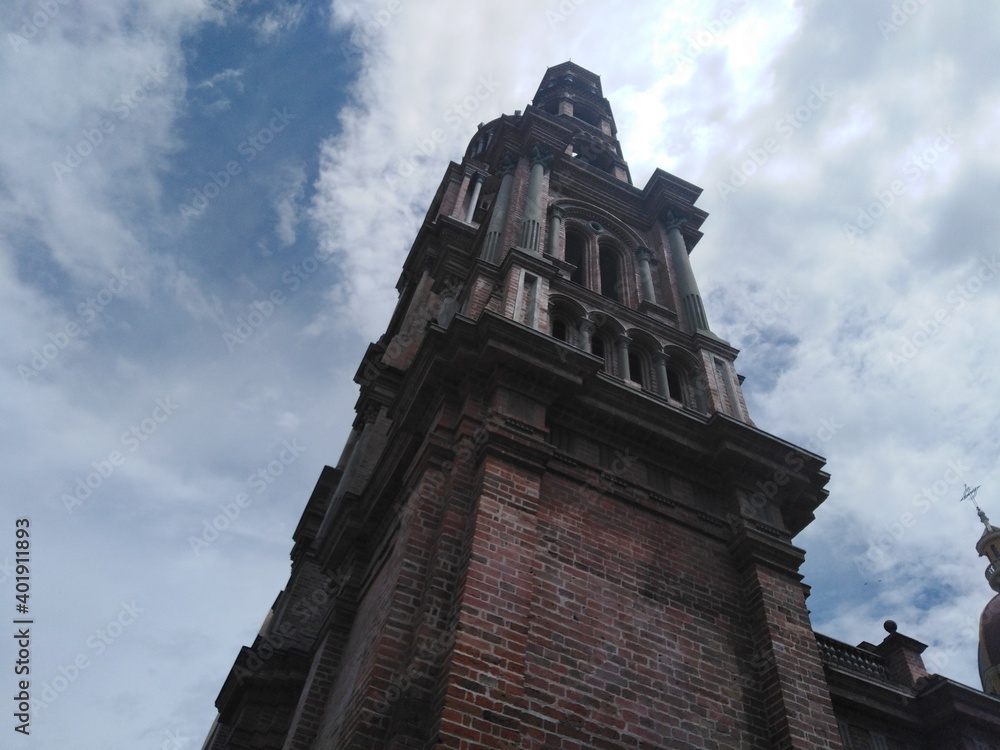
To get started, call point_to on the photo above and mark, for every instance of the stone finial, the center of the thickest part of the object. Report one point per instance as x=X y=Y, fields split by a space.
x=902 y=655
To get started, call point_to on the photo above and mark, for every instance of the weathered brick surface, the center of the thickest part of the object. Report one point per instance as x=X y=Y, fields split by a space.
x=590 y=624
x=796 y=698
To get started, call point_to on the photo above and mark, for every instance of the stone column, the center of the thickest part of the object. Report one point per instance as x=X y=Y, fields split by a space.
x=534 y=206
x=477 y=185
x=687 y=287
x=498 y=221
x=660 y=360
x=622 y=343
x=555 y=231
x=646 y=274
x=586 y=332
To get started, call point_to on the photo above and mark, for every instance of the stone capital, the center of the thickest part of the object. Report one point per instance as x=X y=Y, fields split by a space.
x=450 y=286
x=508 y=163
x=539 y=154
x=672 y=221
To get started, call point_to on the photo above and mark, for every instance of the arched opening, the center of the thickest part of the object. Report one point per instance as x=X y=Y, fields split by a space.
x=610 y=266
x=559 y=329
x=576 y=246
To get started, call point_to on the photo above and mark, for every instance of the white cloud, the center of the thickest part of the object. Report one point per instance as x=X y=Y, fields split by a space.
x=227 y=75
x=288 y=203
x=282 y=20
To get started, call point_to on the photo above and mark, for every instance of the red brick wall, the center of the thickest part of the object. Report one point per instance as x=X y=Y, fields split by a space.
x=589 y=623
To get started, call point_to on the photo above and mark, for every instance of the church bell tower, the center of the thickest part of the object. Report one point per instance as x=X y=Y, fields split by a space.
x=554 y=524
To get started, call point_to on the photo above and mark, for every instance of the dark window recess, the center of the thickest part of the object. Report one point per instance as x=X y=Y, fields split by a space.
x=588 y=116
x=559 y=329
x=635 y=369
x=482 y=209
x=597 y=347
x=674 y=385
x=610 y=274
x=574 y=255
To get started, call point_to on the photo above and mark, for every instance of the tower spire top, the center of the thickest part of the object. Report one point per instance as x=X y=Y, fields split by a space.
x=989 y=543
x=988 y=546
x=970 y=494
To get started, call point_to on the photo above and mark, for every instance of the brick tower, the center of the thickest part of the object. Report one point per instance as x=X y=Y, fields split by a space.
x=554 y=524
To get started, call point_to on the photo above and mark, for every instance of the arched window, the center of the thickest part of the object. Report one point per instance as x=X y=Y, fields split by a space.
x=610 y=266
x=576 y=246
x=596 y=258
x=564 y=316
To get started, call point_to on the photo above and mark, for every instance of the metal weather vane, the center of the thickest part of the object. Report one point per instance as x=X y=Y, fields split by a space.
x=970 y=494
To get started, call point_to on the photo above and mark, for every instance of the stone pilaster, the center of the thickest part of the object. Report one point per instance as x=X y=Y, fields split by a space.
x=534 y=207
x=644 y=254
x=477 y=186
x=556 y=249
x=687 y=287
x=498 y=221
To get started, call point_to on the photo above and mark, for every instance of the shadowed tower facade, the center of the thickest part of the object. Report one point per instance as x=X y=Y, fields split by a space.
x=554 y=524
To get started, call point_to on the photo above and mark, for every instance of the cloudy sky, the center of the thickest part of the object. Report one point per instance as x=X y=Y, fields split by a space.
x=169 y=171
